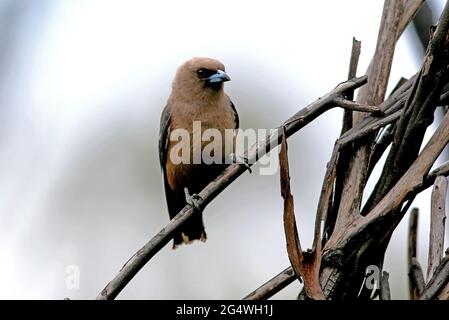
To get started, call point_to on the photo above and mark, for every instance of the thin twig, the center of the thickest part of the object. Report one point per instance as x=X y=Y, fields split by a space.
x=352 y=72
x=351 y=105
x=438 y=217
x=326 y=193
x=273 y=286
x=370 y=128
x=412 y=248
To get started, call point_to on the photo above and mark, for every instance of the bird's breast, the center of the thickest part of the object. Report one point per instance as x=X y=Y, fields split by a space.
x=199 y=149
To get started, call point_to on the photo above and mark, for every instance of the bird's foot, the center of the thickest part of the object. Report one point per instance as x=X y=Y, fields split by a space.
x=237 y=159
x=192 y=200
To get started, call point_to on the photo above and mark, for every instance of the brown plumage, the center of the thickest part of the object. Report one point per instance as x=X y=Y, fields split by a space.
x=197 y=95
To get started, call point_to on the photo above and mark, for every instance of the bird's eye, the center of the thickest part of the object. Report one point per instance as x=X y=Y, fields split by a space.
x=201 y=72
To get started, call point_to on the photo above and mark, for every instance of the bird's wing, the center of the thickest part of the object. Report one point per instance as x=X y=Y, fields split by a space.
x=236 y=115
x=174 y=204
x=164 y=135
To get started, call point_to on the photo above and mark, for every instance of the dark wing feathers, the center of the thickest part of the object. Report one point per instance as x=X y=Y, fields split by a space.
x=174 y=204
x=236 y=115
x=163 y=135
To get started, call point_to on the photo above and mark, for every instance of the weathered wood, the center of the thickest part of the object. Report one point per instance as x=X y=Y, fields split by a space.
x=438 y=282
x=273 y=286
x=385 y=293
x=412 y=250
x=438 y=217
x=416 y=277
x=305 y=264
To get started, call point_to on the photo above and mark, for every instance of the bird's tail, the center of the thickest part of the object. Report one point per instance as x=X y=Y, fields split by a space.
x=193 y=229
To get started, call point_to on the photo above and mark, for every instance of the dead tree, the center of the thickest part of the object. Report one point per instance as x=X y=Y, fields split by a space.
x=355 y=237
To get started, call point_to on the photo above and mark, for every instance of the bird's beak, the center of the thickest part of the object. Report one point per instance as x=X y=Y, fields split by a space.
x=219 y=76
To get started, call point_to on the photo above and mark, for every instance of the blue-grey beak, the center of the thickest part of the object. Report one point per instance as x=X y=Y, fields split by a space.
x=219 y=76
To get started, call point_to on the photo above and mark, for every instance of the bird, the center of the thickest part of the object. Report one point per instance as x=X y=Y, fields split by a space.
x=197 y=95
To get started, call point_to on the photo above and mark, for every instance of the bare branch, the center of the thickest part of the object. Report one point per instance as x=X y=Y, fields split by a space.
x=351 y=105
x=330 y=194
x=380 y=146
x=273 y=286
x=418 y=112
x=372 y=94
x=326 y=193
x=354 y=61
x=416 y=278
x=412 y=178
x=412 y=7
x=305 y=264
x=379 y=70
x=438 y=282
x=315 y=109
x=412 y=234
x=335 y=256
x=364 y=130
x=412 y=251
x=352 y=73
x=385 y=287
x=438 y=217
x=388 y=206
x=440 y=171
x=444 y=294
x=427 y=182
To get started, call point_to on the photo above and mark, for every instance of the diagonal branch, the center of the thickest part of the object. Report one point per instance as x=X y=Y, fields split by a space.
x=350 y=244
x=412 y=7
x=372 y=94
x=351 y=105
x=438 y=282
x=410 y=182
x=444 y=294
x=287 y=276
x=418 y=112
x=213 y=189
x=273 y=286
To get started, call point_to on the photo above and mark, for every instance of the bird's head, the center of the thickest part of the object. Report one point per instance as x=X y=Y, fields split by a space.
x=200 y=75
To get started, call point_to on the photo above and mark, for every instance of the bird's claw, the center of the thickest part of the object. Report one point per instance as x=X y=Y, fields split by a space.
x=192 y=200
x=237 y=159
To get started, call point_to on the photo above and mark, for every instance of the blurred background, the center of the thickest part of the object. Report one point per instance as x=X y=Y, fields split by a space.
x=82 y=85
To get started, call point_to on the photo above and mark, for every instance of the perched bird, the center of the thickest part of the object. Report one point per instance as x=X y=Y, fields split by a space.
x=197 y=95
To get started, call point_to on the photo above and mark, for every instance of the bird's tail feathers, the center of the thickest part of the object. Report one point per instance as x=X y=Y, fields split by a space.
x=193 y=229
